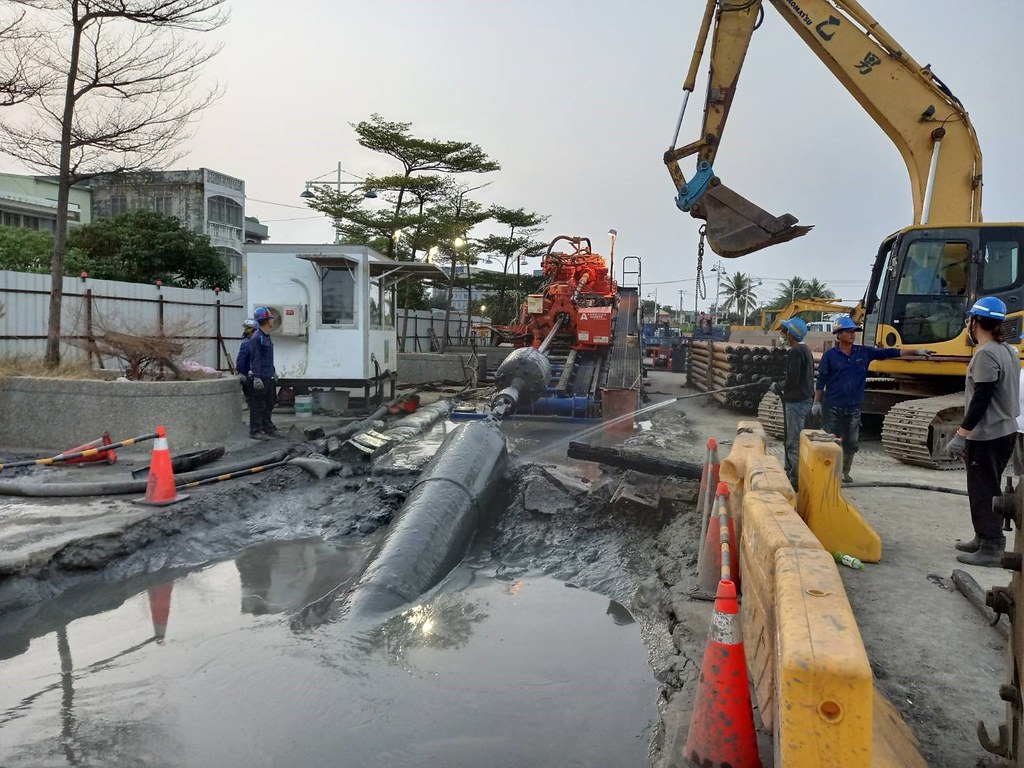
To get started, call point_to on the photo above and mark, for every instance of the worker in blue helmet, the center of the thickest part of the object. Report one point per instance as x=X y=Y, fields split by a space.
x=842 y=379
x=796 y=391
x=987 y=433
x=264 y=376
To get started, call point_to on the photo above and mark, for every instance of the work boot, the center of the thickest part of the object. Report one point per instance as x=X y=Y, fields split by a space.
x=969 y=546
x=847 y=464
x=257 y=436
x=989 y=555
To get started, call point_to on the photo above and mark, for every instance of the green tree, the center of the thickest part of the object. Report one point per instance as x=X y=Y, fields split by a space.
x=121 y=90
x=143 y=247
x=799 y=288
x=816 y=289
x=738 y=291
x=25 y=250
x=416 y=156
x=518 y=245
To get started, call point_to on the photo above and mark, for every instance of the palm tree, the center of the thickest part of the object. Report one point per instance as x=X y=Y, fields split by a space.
x=791 y=290
x=818 y=290
x=738 y=289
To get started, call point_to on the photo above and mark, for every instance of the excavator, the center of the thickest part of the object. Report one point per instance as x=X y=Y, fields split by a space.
x=924 y=276
x=771 y=319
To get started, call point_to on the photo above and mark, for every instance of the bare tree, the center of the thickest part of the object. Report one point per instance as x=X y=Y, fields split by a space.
x=120 y=92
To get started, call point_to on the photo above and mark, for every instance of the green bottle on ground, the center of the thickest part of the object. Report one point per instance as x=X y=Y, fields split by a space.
x=848 y=560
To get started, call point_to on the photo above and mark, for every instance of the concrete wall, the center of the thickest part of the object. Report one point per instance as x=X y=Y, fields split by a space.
x=433 y=367
x=58 y=414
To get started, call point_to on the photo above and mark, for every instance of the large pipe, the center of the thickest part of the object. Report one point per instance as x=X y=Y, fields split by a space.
x=435 y=526
x=523 y=375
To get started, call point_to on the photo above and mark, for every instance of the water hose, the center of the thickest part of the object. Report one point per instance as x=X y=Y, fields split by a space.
x=119 y=487
x=915 y=486
x=87 y=453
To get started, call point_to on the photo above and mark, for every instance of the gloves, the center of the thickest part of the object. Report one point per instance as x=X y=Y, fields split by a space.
x=925 y=352
x=956 y=447
x=257 y=384
x=774 y=387
x=816 y=410
x=242 y=379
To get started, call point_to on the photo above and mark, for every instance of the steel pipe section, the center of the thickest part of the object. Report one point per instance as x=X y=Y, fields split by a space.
x=433 y=530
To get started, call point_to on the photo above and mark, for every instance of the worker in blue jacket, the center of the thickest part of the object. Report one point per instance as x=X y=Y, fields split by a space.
x=242 y=362
x=263 y=375
x=842 y=378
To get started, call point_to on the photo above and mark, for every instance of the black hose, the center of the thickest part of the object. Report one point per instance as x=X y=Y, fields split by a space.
x=915 y=486
x=118 y=487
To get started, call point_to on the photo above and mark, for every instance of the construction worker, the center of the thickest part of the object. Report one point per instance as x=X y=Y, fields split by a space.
x=842 y=377
x=263 y=376
x=988 y=431
x=796 y=391
x=242 y=362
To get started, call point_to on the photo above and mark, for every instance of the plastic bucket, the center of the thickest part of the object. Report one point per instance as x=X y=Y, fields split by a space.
x=303 y=406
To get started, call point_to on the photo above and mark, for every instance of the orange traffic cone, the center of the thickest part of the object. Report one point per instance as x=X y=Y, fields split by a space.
x=709 y=561
x=108 y=456
x=722 y=725
x=160 y=609
x=160 y=490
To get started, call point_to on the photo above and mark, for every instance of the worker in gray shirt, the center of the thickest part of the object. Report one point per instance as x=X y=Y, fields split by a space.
x=986 y=436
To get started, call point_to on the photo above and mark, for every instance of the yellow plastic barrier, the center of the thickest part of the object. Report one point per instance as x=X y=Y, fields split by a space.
x=824 y=679
x=892 y=743
x=748 y=443
x=765 y=473
x=769 y=524
x=837 y=523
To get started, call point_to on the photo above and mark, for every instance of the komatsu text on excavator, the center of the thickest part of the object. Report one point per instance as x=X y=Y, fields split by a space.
x=926 y=275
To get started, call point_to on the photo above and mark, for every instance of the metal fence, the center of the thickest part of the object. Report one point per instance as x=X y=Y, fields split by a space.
x=424 y=330
x=206 y=323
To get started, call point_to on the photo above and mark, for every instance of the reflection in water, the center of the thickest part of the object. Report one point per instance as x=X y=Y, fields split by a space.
x=423 y=687
x=444 y=623
x=285 y=576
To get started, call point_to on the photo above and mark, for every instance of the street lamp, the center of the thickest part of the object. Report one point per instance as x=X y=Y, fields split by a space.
x=750 y=296
x=612 y=233
x=719 y=270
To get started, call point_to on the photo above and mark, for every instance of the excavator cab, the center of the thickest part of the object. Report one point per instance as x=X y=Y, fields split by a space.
x=926 y=277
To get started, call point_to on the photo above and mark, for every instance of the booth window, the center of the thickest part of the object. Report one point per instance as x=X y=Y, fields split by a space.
x=382 y=305
x=338 y=296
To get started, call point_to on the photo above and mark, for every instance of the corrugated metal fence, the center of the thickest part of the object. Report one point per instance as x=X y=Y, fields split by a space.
x=206 y=323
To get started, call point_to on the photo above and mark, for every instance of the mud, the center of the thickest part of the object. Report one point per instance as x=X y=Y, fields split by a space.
x=630 y=539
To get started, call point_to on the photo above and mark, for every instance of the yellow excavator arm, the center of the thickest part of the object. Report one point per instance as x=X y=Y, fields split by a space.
x=771 y=320
x=924 y=120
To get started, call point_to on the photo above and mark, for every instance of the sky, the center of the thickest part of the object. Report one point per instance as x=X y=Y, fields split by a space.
x=578 y=100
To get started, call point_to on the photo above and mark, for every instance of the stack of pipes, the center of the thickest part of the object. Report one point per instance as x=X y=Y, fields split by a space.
x=716 y=365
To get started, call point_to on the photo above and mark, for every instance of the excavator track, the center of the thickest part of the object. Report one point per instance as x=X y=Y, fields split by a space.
x=769 y=413
x=916 y=431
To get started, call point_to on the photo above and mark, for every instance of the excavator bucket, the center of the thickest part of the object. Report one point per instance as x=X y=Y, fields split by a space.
x=735 y=226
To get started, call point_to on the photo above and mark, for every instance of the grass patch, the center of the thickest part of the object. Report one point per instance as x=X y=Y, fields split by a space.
x=26 y=366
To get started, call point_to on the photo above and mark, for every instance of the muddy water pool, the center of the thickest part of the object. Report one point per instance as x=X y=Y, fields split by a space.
x=222 y=666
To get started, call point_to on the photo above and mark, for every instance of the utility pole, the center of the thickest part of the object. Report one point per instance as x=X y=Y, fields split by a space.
x=681 y=292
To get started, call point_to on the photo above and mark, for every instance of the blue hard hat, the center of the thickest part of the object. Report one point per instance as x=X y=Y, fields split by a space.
x=261 y=314
x=796 y=326
x=845 y=323
x=989 y=306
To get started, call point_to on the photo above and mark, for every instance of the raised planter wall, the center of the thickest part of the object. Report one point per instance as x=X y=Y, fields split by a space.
x=57 y=414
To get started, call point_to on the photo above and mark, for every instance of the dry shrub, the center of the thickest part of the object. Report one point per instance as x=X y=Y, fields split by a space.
x=145 y=352
x=26 y=366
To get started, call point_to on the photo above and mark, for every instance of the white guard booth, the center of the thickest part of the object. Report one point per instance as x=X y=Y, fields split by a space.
x=335 y=310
